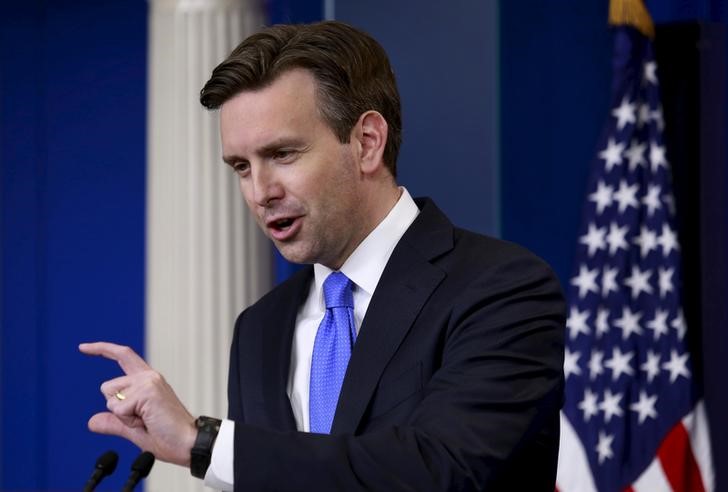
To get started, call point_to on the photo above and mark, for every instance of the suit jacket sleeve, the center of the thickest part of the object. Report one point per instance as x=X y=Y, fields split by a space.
x=486 y=417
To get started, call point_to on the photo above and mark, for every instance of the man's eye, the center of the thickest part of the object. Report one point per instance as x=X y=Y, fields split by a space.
x=284 y=154
x=241 y=168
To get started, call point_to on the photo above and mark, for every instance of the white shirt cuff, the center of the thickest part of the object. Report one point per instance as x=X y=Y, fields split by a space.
x=220 y=474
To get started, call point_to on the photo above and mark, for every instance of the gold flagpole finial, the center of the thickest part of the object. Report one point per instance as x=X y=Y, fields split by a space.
x=631 y=13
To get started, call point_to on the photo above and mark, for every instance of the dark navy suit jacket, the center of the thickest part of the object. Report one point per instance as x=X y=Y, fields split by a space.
x=454 y=383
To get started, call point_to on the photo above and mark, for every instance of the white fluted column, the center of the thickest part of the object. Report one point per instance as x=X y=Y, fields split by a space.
x=206 y=259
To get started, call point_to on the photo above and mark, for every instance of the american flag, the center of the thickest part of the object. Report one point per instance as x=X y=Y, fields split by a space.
x=632 y=419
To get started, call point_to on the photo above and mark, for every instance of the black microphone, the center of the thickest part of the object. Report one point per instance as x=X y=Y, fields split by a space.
x=105 y=466
x=139 y=469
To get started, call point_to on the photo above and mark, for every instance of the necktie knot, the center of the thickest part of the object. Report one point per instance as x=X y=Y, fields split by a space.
x=337 y=291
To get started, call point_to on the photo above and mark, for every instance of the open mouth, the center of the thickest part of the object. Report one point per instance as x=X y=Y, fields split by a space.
x=282 y=224
x=284 y=229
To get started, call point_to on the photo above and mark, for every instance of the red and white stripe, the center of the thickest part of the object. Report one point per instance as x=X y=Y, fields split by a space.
x=682 y=464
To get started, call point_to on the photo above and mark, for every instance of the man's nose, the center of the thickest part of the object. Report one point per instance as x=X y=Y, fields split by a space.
x=266 y=186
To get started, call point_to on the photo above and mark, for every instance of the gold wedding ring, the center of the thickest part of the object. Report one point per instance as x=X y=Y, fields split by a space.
x=120 y=396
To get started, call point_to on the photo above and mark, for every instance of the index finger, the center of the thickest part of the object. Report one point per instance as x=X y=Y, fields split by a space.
x=127 y=359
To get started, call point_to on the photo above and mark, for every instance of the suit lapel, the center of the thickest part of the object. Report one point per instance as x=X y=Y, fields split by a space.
x=276 y=342
x=406 y=283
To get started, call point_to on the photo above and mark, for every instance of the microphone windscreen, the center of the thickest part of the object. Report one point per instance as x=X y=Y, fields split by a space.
x=143 y=464
x=107 y=462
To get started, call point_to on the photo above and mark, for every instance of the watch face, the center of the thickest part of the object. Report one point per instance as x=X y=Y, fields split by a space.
x=208 y=422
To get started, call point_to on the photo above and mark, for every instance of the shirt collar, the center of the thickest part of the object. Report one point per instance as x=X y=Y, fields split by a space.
x=366 y=264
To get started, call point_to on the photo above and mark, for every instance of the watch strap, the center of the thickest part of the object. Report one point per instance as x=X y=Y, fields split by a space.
x=201 y=453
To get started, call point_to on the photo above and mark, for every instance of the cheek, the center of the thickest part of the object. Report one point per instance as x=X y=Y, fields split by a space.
x=247 y=196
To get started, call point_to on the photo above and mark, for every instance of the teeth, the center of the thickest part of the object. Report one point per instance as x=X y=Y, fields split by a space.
x=283 y=223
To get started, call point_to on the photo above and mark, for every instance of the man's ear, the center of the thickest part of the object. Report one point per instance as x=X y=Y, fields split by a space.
x=371 y=133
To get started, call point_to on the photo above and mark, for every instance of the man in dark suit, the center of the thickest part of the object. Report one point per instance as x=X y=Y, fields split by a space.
x=412 y=355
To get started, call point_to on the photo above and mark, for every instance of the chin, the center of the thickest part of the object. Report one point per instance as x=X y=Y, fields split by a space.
x=298 y=257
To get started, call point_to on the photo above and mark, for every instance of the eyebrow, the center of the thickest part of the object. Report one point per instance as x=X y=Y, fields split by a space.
x=230 y=160
x=267 y=149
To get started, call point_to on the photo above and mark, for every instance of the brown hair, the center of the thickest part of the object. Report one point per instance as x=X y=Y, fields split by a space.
x=351 y=69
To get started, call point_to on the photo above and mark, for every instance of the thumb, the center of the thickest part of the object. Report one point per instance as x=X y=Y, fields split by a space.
x=110 y=424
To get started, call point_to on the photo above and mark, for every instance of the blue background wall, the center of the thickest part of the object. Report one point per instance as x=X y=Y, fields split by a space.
x=72 y=138
x=555 y=78
x=555 y=90
x=446 y=62
x=72 y=164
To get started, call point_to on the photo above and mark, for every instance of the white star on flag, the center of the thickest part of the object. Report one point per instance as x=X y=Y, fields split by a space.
x=576 y=322
x=647 y=241
x=658 y=324
x=594 y=239
x=589 y=405
x=636 y=154
x=677 y=366
x=679 y=324
x=609 y=281
x=652 y=365
x=604 y=446
x=625 y=113
x=645 y=407
x=629 y=322
x=610 y=405
x=596 y=367
x=571 y=364
x=639 y=282
x=652 y=199
x=602 y=197
x=649 y=73
x=626 y=196
x=612 y=155
x=665 y=280
x=602 y=322
x=657 y=157
x=586 y=281
x=667 y=240
x=619 y=363
x=617 y=238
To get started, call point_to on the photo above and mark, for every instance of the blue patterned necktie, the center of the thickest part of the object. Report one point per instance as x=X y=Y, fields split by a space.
x=331 y=352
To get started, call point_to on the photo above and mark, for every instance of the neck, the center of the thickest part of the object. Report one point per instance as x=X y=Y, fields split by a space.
x=375 y=206
x=381 y=204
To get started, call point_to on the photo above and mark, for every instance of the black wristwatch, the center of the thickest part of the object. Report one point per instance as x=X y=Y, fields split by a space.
x=201 y=453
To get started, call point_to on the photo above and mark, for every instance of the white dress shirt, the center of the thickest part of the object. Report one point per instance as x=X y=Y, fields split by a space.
x=364 y=267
